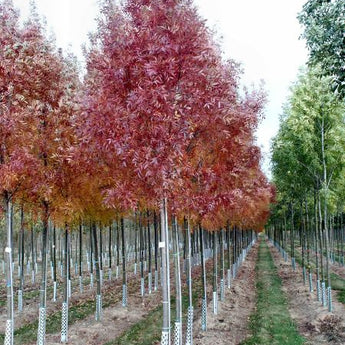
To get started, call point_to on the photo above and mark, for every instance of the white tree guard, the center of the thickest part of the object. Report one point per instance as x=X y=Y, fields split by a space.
x=204 y=315
x=304 y=275
x=234 y=270
x=81 y=288
x=318 y=289
x=150 y=283
x=69 y=288
x=91 y=280
x=54 y=291
x=41 y=333
x=156 y=281
x=117 y=272
x=311 y=288
x=142 y=286
x=9 y=333
x=293 y=262
x=124 y=295
x=20 y=300
x=229 y=278
x=189 y=335
x=98 y=307
x=135 y=268
x=323 y=287
x=109 y=274
x=177 y=333
x=222 y=290
x=330 y=304
x=64 y=323
x=165 y=338
x=215 y=303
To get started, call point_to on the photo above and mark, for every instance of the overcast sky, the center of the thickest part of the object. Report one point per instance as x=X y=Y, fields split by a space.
x=261 y=35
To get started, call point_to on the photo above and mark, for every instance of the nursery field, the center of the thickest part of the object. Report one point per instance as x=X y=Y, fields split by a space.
x=135 y=204
x=267 y=303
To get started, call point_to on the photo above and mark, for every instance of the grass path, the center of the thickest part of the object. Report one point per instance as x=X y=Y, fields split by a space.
x=271 y=322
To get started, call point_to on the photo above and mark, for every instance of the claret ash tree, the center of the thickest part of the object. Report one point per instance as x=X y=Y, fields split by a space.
x=37 y=88
x=156 y=92
x=157 y=131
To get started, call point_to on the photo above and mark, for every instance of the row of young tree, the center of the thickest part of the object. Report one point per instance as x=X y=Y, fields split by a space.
x=308 y=153
x=158 y=123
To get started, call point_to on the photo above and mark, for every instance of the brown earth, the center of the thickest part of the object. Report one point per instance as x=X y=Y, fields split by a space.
x=230 y=325
x=313 y=321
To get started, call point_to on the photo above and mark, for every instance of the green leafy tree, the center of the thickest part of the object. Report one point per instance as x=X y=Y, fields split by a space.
x=324 y=27
x=309 y=149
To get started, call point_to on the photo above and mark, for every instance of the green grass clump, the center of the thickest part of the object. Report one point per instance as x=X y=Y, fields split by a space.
x=271 y=322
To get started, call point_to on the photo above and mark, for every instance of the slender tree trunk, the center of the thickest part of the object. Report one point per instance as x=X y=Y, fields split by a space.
x=155 y=225
x=325 y=212
x=54 y=265
x=117 y=248
x=64 y=316
x=165 y=340
x=91 y=257
x=98 y=275
x=124 y=272
x=189 y=335
x=21 y=261
x=80 y=257
x=9 y=272
x=110 y=252
x=215 y=289
x=203 y=275
x=141 y=231
x=43 y=291
x=101 y=254
x=178 y=320
x=149 y=253
x=222 y=290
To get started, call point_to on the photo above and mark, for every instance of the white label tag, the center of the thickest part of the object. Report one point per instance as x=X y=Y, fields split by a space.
x=161 y=244
x=8 y=250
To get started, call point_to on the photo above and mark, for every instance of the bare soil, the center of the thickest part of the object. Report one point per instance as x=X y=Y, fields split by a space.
x=230 y=325
x=314 y=322
x=115 y=320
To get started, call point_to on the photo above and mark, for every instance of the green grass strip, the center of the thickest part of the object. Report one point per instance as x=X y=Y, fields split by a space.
x=28 y=332
x=271 y=322
x=337 y=282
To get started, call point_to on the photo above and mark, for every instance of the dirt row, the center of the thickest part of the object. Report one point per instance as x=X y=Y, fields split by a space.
x=230 y=325
x=314 y=322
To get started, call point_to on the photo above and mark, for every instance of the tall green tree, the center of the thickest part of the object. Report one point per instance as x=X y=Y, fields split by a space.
x=309 y=150
x=324 y=27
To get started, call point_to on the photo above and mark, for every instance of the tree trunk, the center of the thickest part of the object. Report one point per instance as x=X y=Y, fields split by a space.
x=80 y=257
x=54 y=265
x=325 y=213
x=98 y=275
x=9 y=273
x=215 y=294
x=149 y=253
x=64 y=316
x=43 y=291
x=203 y=275
x=165 y=340
x=21 y=261
x=124 y=272
x=189 y=335
x=178 y=320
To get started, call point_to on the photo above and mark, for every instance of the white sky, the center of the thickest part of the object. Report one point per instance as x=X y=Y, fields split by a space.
x=261 y=35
